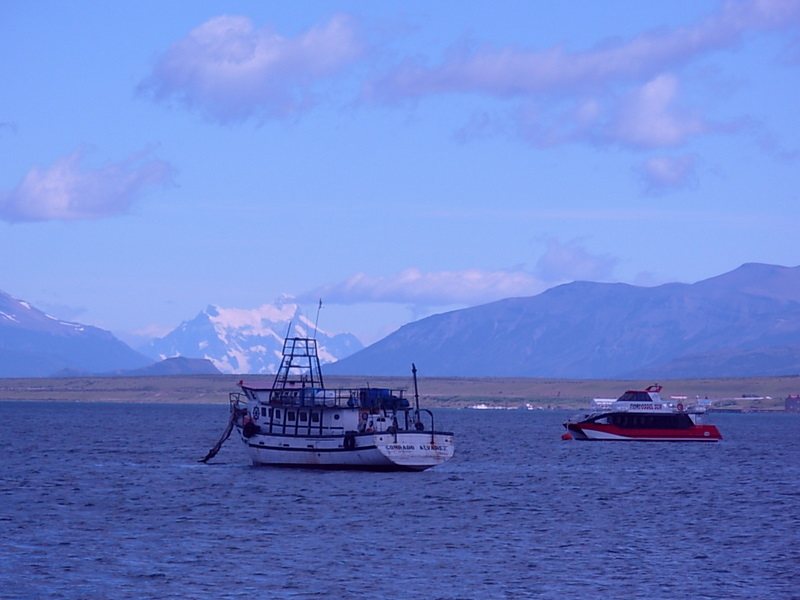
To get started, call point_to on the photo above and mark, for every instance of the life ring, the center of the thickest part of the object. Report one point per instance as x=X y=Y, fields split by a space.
x=364 y=416
x=680 y=407
x=349 y=441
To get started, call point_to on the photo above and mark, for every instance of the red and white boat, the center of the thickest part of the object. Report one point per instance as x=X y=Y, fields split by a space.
x=642 y=415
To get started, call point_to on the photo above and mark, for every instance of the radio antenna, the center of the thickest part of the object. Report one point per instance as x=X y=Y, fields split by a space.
x=317 y=319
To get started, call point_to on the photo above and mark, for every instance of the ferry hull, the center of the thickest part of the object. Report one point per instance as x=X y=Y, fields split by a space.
x=405 y=451
x=595 y=432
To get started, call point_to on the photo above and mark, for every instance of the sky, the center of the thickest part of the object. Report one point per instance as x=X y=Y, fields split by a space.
x=394 y=159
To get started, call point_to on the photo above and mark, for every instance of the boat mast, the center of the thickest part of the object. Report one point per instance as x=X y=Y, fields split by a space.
x=317 y=319
x=416 y=392
x=300 y=364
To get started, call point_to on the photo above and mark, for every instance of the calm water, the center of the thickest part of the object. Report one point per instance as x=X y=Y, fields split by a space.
x=109 y=501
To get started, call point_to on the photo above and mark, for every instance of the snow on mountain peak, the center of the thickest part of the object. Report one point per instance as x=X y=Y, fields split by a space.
x=249 y=340
x=251 y=320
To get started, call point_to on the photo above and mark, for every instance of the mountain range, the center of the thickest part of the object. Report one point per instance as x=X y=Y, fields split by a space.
x=34 y=344
x=248 y=341
x=742 y=323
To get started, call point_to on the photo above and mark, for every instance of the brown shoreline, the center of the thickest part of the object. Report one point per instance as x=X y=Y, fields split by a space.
x=745 y=394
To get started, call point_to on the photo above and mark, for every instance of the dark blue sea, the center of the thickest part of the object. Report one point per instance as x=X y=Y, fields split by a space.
x=109 y=501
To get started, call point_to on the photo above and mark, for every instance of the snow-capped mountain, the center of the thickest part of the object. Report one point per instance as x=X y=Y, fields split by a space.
x=248 y=341
x=35 y=344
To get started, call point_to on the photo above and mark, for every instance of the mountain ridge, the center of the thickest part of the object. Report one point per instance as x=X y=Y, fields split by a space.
x=742 y=323
x=35 y=344
x=603 y=330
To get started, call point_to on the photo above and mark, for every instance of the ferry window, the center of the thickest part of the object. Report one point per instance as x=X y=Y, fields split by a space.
x=336 y=416
x=303 y=417
x=277 y=413
x=290 y=415
x=314 y=417
x=263 y=411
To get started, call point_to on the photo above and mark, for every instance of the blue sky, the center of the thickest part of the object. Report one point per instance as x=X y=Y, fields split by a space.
x=396 y=159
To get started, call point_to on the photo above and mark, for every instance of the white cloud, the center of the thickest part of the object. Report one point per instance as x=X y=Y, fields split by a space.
x=438 y=288
x=621 y=92
x=230 y=70
x=513 y=71
x=647 y=118
x=665 y=173
x=570 y=261
x=67 y=191
x=561 y=263
x=643 y=117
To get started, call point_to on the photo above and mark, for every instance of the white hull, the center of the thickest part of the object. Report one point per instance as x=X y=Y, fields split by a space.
x=413 y=451
x=297 y=422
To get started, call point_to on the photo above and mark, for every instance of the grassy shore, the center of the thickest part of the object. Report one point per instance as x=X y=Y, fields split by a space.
x=746 y=394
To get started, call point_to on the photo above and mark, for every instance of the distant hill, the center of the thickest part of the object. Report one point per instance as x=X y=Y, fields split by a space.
x=742 y=323
x=34 y=344
x=172 y=366
x=248 y=341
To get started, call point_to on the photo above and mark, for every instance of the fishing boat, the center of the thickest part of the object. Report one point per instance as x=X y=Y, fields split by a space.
x=298 y=422
x=642 y=415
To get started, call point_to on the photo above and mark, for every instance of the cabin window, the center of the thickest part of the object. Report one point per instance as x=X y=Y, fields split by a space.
x=263 y=411
x=278 y=413
x=303 y=416
x=290 y=415
x=665 y=421
x=336 y=416
x=314 y=417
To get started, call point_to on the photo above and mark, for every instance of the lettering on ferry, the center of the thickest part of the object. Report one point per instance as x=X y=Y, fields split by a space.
x=431 y=447
x=646 y=406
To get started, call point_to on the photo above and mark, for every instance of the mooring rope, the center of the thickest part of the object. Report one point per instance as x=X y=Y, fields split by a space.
x=213 y=452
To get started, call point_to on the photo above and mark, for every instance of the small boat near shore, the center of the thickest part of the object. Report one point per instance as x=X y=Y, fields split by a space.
x=298 y=422
x=642 y=415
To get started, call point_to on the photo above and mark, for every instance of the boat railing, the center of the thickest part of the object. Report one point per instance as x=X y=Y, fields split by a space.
x=238 y=401
x=371 y=399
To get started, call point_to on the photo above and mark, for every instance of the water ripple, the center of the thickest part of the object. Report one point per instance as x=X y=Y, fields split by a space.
x=109 y=501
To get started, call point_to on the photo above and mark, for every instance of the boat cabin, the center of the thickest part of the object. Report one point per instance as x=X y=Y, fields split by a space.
x=307 y=411
x=634 y=420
